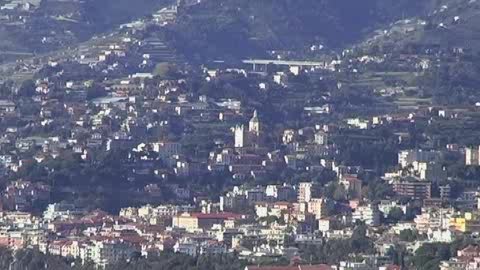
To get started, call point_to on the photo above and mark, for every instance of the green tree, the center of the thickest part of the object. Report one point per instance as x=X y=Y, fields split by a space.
x=27 y=89
x=395 y=215
x=397 y=254
x=429 y=256
x=340 y=193
x=95 y=91
x=408 y=235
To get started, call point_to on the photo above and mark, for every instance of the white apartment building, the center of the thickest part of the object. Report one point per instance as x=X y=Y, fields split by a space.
x=370 y=214
x=433 y=219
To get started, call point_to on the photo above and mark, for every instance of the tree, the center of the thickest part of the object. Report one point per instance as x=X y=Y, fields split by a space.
x=408 y=235
x=397 y=255
x=429 y=255
x=27 y=89
x=395 y=215
x=335 y=191
x=95 y=91
x=378 y=190
x=359 y=241
x=272 y=243
x=166 y=71
x=6 y=89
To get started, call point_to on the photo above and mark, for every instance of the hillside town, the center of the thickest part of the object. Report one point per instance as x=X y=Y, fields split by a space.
x=121 y=148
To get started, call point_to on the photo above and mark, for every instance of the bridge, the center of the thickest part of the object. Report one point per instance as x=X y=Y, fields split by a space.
x=266 y=62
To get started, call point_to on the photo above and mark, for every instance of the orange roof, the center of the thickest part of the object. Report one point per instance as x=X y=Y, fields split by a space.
x=299 y=267
x=283 y=203
x=470 y=249
x=223 y=215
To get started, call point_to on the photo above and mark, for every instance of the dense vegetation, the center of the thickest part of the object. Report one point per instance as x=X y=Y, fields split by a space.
x=245 y=28
x=107 y=13
x=334 y=251
x=28 y=259
x=65 y=23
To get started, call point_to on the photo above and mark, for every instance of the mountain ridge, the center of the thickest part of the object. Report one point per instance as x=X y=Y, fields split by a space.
x=215 y=27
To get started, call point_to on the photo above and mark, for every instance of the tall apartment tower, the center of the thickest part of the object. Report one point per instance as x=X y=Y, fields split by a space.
x=472 y=156
x=307 y=191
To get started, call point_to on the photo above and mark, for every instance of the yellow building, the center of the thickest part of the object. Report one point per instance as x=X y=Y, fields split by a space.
x=318 y=207
x=185 y=221
x=194 y=221
x=469 y=222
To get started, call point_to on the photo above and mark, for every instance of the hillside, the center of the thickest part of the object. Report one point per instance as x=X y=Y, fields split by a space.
x=232 y=28
x=56 y=24
x=103 y=14
x=451 y=23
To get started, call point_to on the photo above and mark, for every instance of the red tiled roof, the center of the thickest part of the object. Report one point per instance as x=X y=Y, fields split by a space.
x=283 y=203
x=471 y=248
x=393 y=267
x=133 y=239
x=272 y=268
x=223 y=215
x=299 y=267
x=315 y=267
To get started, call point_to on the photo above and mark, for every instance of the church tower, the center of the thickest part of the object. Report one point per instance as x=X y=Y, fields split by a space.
x=254 y=124
x=240 y=136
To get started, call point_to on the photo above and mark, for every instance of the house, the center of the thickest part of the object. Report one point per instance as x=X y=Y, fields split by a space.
x=186 y=247
x=166 y=15
x=106 y=252
x=470 y=251
x=468 y=222
x=7 y=106
x=408 y=157
x=359 y=123
x=12 y=239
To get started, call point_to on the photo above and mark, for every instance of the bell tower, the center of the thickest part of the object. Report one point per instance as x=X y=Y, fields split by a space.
x=254 y=124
